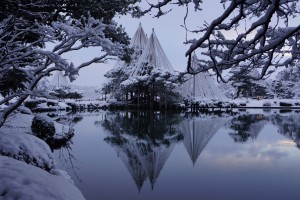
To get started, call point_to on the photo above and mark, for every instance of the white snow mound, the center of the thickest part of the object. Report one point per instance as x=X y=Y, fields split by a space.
x=26 y=148
x=21 y=181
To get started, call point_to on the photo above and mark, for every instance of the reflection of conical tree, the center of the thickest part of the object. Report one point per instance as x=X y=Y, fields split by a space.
x=198 y=132
x=144 y=154
x=153 y=159
x=128 y=153
x=256 y=128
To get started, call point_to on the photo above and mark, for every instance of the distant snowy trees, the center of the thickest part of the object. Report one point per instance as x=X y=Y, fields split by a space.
x=28 y=27
x=287 y=82
x=246 y=87
x=265 y=35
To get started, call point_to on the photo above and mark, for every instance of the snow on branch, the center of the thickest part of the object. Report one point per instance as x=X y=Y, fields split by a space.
x=31 y=61
x=268 y=37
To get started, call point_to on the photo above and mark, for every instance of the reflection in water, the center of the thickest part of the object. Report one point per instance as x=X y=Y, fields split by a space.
x=198 y=131
x=247 y=126
x=63 y=144
x=288 y=126
x=143 y=140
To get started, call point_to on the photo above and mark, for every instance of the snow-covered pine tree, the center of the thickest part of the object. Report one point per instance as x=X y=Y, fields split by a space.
x=286 y=84
x=153 y=79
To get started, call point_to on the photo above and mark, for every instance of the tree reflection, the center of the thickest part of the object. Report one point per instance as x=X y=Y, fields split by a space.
x=143 y=140
x=198 y=131
x=247 y=126
x=288 y=126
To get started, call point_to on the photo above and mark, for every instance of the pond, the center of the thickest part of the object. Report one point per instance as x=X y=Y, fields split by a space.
x=152 y=155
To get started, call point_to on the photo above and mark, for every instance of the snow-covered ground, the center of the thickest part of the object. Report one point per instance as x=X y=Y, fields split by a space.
x=27 y=165
x=19 y=180
x=253 y=102
x=268 y=102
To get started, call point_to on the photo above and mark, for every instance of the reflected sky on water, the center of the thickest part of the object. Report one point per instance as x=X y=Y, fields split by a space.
x=146 y=155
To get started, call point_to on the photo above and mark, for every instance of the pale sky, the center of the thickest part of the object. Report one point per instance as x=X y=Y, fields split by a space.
x=168 y=30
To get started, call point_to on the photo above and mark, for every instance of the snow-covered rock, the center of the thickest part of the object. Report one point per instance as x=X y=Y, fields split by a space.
x=19 y=180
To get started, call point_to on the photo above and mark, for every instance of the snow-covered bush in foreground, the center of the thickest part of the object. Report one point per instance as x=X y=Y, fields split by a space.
x=31 y=180
x=26 y=148
x=42 y=126
x=21 y=181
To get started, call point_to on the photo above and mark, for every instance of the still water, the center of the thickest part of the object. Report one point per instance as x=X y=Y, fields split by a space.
x=131 y=155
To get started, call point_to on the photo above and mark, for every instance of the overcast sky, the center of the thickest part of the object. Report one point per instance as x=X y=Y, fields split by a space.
x=168 y=30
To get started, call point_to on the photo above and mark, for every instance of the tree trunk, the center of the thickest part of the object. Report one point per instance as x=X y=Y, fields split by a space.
x=138 y=96
x=7 y=111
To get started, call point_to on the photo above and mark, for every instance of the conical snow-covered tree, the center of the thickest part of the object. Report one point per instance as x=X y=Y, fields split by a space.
x=122 y=70
x=202 y=85
x=137 y=44
x=148 y=75
x=60 y=81
x=153 y=76
x=153 y=55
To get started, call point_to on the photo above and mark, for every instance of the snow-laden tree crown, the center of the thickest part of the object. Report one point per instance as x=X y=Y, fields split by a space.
x=36 y=36
x=267 y=34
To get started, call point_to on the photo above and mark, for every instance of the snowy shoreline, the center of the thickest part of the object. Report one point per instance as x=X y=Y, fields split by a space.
x=27 y=165
x=44 y=105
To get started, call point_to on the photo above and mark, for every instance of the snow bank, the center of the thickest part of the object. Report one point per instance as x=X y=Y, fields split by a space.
x=26 y=148
x=17 y=141
x=21 y=181
x=18 y=123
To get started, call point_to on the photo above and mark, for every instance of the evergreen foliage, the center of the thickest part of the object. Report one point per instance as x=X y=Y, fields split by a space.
x=286 y=83
x=42 y=128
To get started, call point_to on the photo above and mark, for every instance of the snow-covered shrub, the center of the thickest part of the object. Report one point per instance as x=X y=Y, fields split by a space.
x=49 y=103
x=62 y=94
x=73 y=95
x=267 y=103
x=24 y=110
x=43 y=127
x=243 y=104
x=31 y=104
x=26 y=148
x=285 y=104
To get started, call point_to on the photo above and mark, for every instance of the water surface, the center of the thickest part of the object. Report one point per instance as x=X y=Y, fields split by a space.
x=151 y=155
